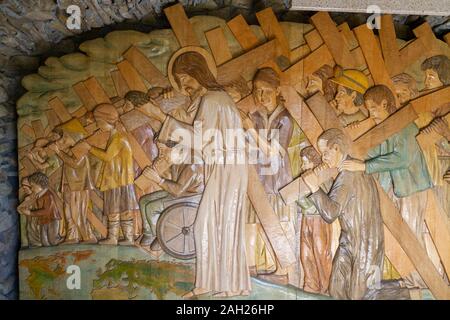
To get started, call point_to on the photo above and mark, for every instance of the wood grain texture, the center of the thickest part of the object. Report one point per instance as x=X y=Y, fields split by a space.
x=272 y=30
x=374 y=58
x=119 y=83
x=432 y=101
x=131 y=76
x=246 y=64
x=84 y=95
x=323 y=112
x=146 y=68
x=313 y=39
x=60 y=110
x=218 y=45
x=96 y=90
x=334 y=40
x=38 y=128
x=184 y=32
x=243 y=33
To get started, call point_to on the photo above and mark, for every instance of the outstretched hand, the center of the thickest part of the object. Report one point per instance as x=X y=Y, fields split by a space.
x=352 y=165
x=440 y=126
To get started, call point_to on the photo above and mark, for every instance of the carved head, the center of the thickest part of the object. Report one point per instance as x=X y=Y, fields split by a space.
x=266 y=88
x=106 y=116
x=334 y=146
x=135 y=99
x=237 y=89
x=310 y=158
x=351 y=86
x=380 y=102
x=192 y=74
x=405 y=87
x=319 y=81
x=38 y=182
x=437 y=71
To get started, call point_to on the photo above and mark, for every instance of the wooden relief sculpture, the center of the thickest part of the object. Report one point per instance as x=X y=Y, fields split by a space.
x=235 y=156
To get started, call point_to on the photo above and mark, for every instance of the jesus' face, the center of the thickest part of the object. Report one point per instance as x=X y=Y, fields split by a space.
x=189 y=85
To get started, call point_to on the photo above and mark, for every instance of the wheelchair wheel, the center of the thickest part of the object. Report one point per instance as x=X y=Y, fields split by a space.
x=175 y=230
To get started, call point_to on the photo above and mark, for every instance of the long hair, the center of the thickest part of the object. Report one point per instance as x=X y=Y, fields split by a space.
x=194 y=65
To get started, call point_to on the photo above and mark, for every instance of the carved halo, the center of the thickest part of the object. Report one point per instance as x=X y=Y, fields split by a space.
x=208 y=57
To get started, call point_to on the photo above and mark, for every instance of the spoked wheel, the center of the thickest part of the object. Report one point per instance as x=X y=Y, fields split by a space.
x=175 y=230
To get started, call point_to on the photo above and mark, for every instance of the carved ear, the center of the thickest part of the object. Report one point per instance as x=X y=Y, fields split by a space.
x=353 y=95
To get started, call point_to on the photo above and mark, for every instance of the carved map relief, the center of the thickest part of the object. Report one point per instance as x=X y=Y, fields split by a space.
x=219 y=159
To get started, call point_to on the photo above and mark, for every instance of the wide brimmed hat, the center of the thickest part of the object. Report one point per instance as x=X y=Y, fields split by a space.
x=208 y=57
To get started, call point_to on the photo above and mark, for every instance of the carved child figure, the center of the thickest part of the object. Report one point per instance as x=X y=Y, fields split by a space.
x=315 y=242
x=41 y=205
x=76 y=183
x=116 y=177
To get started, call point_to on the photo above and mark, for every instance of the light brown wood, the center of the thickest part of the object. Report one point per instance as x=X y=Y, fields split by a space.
x=299 y=53
x=334 y=40
x=269 y=220
x=96 y=91
x=96 y=223
x=447 y=38
x=438 y=225
x=374 y=58
x=349 y=36
x=134 y=119
x=97 y=201
x=131 y=76
x=184 y=32
x=243 y=33
x=323 y=112
x=247 y=63
x=84 y=95
x=99 y=139
x=302 y=114
x=432 y=101
x=60 y=110
x=313 y=39
x=398 y=60
x=52 y=119
x=29 y=131
x=272 y=30
x=38 y=128
x=138 y=154
x=417 y=254
x=375 y=136
x=354 y=132
x=396 y=254
x=28 y=167
x=218 y=45
x=295 y=73
x=145 y=68
x=80 y=112
x=119 y=83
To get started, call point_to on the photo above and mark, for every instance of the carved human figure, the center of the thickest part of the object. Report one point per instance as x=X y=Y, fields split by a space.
x=319 y=81
x=315 y=241
x=76 y=183
x=219 y=228
x=41 y=205
x=116 y=177
x=32 y=227
x=405 y=87
x=349 y=98
x=401 y=169
x=353 y=199
x=272 y=120
x=436 y=71
x=186 y=180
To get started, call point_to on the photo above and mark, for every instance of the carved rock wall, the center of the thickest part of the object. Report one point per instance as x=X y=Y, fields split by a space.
x=31 y=31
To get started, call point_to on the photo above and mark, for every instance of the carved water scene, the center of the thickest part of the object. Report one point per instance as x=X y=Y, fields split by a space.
x=218 y=159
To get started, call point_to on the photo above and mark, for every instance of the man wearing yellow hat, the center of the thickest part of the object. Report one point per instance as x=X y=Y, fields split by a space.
x=76 y=183
x=352 y=84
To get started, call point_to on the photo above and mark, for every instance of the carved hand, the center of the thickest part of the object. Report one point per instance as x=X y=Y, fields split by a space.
x=151 y=174
x=352 y=165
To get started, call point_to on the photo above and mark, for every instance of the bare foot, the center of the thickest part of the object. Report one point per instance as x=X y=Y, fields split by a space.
x=195 y=292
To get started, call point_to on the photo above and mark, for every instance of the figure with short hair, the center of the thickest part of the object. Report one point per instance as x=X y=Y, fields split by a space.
x=400 y=166
x=354 y=200
x=405 y=87
x=44 y=209
x=436 y=70
x=116 y=178
x=320 y=81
